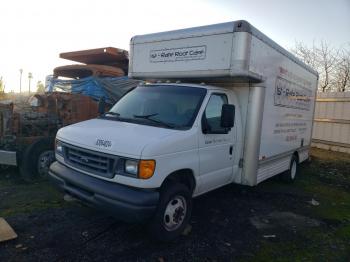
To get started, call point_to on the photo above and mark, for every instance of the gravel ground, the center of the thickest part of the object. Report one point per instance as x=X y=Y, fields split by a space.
x=308 y=220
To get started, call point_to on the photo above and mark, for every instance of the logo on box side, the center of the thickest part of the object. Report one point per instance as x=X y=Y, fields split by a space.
x=292 y=95
x=178 y=54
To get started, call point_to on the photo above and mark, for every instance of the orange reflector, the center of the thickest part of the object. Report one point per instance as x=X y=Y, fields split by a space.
x=146 y=168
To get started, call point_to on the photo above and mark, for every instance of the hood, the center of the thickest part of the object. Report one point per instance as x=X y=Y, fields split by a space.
x=114 y=137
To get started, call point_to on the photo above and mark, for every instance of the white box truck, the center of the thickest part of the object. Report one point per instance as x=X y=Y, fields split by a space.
x=221 y=104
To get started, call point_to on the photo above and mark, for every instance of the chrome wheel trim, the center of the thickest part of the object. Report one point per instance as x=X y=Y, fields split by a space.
x=175 y=213
x=44 y=161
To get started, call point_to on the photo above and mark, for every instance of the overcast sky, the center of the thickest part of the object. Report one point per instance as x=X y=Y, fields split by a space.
x=33 y=33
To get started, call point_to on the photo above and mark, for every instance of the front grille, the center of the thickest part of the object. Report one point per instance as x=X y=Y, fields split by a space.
x=90 y=161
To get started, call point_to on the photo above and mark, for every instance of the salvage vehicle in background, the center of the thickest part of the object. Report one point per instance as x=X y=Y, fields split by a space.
x=28 y=124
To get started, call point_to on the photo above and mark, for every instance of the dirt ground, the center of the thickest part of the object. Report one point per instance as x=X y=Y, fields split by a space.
x=308 y=220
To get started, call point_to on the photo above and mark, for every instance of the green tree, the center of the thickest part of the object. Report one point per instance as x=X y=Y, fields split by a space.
x=2 y=86
x=40 y=88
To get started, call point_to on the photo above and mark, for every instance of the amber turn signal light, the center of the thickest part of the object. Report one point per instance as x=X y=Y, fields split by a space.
x=146 y=168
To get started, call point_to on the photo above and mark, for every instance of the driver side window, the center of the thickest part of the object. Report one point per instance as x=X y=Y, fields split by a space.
x=212 y=115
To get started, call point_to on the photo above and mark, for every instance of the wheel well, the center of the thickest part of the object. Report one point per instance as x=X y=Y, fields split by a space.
x=296 y=154
x=27 y=150
x=183 y=176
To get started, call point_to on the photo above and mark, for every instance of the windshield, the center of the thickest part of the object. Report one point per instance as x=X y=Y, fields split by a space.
x=161 y=105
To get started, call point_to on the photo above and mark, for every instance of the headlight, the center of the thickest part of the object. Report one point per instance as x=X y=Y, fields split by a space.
x=131 y=166
x=143 y=169
x=59 y=148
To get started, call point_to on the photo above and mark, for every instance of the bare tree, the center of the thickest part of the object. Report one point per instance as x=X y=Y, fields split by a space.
x=327 y=62
x=324 y=59
x=306 y=54
x=342 y=75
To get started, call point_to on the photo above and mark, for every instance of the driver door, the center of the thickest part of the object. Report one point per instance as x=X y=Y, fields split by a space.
x=215 y=146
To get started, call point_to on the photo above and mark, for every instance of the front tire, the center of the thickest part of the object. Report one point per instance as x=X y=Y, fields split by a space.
x=173 y=212
x=37 y=159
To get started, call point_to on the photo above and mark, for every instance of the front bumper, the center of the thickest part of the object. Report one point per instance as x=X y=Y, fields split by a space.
x=126 y=203
x=8 y=158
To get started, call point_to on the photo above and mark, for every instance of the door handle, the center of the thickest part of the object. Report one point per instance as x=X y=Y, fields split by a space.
x=231 y=149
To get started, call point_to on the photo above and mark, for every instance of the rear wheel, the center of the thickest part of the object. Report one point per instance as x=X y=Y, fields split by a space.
x=291 y=173
x=173 y=212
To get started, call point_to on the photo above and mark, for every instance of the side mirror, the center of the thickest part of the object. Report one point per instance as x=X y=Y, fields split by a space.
x=227 y=116
x=101 y=105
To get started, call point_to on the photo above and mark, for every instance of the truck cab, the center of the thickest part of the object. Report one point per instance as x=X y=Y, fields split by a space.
x=156 y=136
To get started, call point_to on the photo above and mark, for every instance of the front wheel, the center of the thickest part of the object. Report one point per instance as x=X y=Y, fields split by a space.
x=45 y=159
x=173 y=212
x=37 y=159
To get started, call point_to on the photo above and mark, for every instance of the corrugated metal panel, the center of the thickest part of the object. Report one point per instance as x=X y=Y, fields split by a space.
x=332 y=121
x=272 y=168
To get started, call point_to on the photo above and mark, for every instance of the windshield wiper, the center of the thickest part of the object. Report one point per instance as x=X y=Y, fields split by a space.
x=148 y=117
x=145 y=116
x=111 y=113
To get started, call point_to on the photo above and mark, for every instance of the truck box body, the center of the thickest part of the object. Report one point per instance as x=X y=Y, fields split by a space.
x=236 y=55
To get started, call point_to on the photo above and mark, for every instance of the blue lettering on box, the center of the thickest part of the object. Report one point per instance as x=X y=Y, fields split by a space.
x=178 y=54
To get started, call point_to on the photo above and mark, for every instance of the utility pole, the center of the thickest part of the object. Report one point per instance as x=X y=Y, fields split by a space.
x=20 y=80
x=30 y=76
